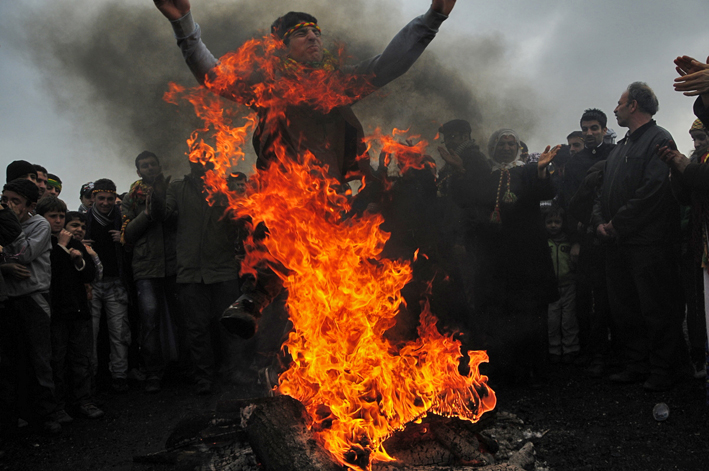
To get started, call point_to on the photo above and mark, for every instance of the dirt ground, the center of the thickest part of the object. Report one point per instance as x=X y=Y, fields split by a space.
x=584 y=423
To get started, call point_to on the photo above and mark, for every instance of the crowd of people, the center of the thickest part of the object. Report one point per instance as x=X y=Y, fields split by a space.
x=590 y=253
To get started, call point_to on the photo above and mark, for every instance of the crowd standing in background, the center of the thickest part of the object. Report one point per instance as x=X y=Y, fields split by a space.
x=591 y=254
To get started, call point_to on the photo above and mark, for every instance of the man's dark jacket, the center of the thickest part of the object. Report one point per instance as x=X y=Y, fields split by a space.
x=576 y=169
x=636 y=195
x=68 y=293
x=205 y=238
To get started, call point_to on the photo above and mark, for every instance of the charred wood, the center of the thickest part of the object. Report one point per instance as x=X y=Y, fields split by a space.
x=280 y=438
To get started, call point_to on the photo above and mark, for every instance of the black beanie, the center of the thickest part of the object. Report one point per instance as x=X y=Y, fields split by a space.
x=24 y=187
x=455 y=126
x=19 y=168
x=287 y=21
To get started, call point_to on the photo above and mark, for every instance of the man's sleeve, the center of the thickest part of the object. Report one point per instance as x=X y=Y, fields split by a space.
x=89 y=272
x=10 y=226
x=35 y=244
x=196 y=55
x=137 y=225
x=403 y=50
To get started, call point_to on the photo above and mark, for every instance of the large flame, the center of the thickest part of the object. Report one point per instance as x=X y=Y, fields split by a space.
x=356 y=385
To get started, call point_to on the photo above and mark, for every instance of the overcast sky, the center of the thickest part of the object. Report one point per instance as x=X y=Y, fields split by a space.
x=559 y=56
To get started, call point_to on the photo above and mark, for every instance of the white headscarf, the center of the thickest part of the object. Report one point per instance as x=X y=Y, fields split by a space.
x=492 y=146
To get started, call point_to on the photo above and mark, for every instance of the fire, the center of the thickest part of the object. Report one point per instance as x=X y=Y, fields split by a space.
x=356 y=385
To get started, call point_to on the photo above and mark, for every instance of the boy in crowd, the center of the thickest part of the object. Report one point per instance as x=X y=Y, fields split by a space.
x=103 y=227
x=27 y=273
x=10 y=230
x=563 y=324
x=207 y=272
x=71 y=317
x=154 y=262
x=75 y=223
x=41 y=179
x=20 y=169
x=86 y=196
x=54 y=185
x=576 y=142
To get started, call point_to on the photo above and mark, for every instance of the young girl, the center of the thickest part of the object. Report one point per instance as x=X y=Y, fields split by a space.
x=563 y=325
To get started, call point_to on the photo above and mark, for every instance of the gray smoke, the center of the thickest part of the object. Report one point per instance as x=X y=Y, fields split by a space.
x=112 y=67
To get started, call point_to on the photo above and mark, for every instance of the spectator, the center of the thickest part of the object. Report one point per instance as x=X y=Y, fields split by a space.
x=592 y=307
x=576 y=142
x=27 y=274
x=41 y=179
x=523 y=152
x=103 y=227
x=207 y=271
x=154 y=261
x=237 y=182
x=75 y=223
x=54 y=185
x=636 y=215
x=691 y=186
x=10 y=230
x=21 y=169
x=563 y=324
x=86 y=195
x=514 y=278
x=72 y=267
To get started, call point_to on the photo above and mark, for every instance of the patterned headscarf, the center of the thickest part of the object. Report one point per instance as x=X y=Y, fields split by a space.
x=697 y=125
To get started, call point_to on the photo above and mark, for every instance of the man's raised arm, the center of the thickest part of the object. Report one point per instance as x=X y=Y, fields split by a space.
x=188 y=35
x=173 y=9
x=407 y=45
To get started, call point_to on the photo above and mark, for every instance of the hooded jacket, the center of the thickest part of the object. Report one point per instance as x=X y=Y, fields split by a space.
x=32 y=251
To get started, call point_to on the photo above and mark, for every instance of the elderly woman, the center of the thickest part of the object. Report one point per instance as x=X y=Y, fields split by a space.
x=513 y=275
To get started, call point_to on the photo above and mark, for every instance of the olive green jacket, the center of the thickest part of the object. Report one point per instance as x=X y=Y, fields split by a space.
x=205 y=242
x=151 y=242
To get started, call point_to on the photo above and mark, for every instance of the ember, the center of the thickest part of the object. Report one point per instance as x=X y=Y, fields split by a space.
x=357 y=387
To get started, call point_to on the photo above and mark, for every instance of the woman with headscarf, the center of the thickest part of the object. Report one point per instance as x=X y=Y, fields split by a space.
x=513 y=275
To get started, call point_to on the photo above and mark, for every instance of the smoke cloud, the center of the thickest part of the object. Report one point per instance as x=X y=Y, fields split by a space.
x=111 y=65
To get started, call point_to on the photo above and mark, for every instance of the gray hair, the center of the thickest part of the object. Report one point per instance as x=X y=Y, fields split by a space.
x=643 y=95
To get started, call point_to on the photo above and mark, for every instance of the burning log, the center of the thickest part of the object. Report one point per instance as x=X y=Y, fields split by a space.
x=272 y=434
x=278 y=434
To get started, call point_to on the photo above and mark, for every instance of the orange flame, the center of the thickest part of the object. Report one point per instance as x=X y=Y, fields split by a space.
x=357 y=387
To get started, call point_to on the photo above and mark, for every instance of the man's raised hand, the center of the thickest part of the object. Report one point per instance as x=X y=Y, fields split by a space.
x=173 y=9
x=694 y=76
x=442 y=6
x=545 y=159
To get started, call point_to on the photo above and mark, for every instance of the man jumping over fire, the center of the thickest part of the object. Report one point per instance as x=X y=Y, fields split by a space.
x=333 y=134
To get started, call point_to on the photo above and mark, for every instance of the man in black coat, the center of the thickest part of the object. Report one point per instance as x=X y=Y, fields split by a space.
x=638 y=217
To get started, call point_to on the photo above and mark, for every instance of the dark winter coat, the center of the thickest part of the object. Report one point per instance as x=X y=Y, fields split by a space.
x=10 y=229
x=512 y=254
x=68 y=293
x=636 y=195
x=205 y=239
x=577 y=168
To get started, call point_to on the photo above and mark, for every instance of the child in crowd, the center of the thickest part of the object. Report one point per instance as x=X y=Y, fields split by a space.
x=25 y=335
x=75 y=223
x=71 y=324
x=564 y=342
